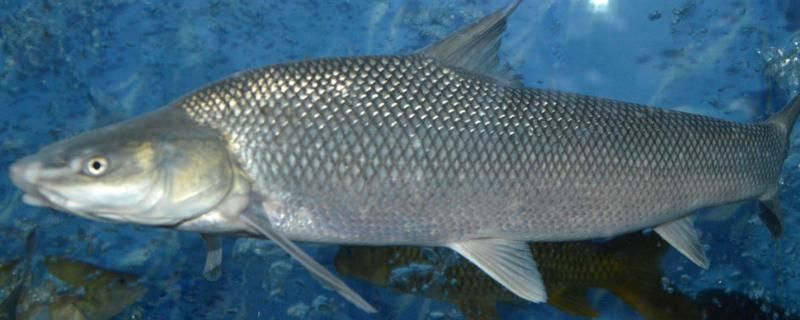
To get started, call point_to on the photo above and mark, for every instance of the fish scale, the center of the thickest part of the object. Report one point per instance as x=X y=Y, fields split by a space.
x=390 y=149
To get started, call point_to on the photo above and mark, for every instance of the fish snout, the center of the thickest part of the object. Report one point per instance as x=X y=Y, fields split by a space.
x=24 y=173
x=28 y=174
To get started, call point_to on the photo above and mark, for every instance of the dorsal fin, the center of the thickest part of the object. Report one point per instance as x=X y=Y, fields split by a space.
x=475 y=47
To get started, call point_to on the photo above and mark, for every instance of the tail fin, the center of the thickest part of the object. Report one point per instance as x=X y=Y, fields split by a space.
x=770 y=212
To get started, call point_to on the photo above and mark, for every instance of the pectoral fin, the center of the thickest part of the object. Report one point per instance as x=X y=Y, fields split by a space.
x=213 y=268
x=261 y=223
x=508 y=262
x=682 y=236
x=770 y=214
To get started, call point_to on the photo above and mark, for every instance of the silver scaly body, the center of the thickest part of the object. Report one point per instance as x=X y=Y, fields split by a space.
x=405 y=150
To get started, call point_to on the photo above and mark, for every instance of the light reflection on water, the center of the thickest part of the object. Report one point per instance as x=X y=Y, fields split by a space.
x=782 y=69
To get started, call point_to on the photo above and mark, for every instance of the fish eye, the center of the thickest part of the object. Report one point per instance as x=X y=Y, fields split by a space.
x=96 y=166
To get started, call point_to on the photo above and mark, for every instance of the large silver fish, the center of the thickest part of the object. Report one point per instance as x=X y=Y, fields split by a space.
x=442 y=147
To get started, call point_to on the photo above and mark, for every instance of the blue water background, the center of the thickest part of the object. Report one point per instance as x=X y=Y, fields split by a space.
x=68 y=66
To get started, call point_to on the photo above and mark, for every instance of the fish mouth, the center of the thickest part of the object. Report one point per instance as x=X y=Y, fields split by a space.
x=27 y=175
x=23 y=175
x=36 y=200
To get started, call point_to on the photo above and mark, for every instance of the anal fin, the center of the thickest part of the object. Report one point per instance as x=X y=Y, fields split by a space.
x=682 y=236
x=213 y=267
x=508 y=262
x=770 y=213
x=259 y=222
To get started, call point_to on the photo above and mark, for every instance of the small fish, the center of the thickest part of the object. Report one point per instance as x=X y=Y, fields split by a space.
x=629 y=267
x=441 y=147
x=105 y=292
x=97 y=293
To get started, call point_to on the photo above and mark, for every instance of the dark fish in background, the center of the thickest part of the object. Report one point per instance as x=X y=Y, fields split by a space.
x=105 y=292
x=629 y=267
x=95 y=293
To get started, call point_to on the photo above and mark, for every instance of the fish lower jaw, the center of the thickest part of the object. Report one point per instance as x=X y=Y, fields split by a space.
x=34 y=200
x=59 y=202
x=47 y=199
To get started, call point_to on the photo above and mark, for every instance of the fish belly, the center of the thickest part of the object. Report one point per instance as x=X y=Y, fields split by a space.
x=403 y=150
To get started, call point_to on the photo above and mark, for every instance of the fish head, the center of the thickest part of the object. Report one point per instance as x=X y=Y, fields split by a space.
x=160 y=169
